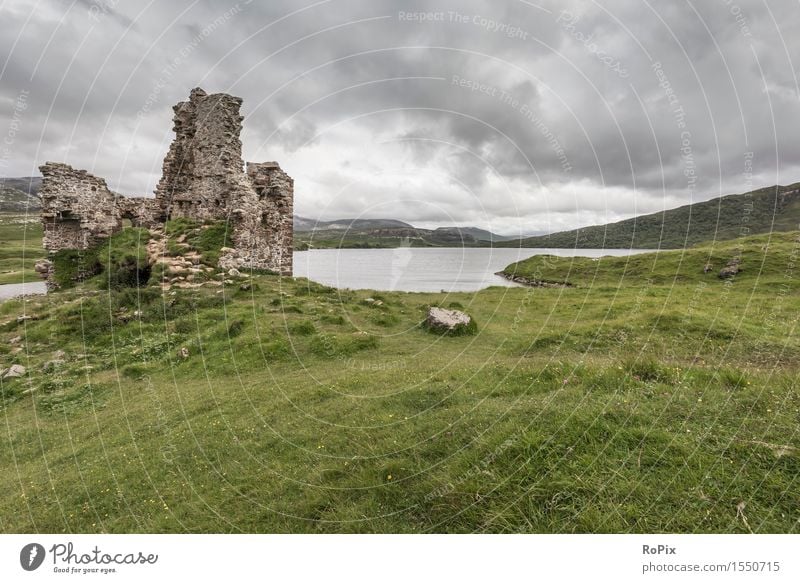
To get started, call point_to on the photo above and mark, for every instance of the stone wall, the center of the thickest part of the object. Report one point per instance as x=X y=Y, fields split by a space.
x=262 y=221
x=203 y=179
x=203 y=170
x=78 y=209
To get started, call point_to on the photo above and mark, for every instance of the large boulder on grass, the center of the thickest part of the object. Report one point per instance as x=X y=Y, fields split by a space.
x=451 y=322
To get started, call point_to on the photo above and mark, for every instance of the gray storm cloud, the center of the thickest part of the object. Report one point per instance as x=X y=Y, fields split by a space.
x=512 y=115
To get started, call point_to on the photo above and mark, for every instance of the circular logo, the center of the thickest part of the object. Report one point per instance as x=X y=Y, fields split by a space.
x=31 y=556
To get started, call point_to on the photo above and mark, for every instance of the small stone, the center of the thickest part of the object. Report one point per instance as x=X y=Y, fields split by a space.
x=43 y=267
x=233 y=272
x=731 y=269
x=16 y=371
x=183 y=353
x=15 y=340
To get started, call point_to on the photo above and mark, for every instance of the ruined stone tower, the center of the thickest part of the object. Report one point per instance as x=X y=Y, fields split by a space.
x=203 y=179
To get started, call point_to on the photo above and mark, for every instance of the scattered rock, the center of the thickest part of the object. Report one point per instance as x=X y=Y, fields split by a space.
x=233 y=272
x=532 y=282
x=445 y=321
x=16 y=371
x=53 y=365
x=731 y=269
x=15 y=340
x=708 y=268
x=245 y=287
x=43 y=267
x=21 y=319
x=183 y=353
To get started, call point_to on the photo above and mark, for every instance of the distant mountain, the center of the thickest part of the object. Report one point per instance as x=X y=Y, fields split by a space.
x=776 y=208
x=28 y=184
x=473 y=232
x=304 y=224
x=17 y=201
x=382 y=229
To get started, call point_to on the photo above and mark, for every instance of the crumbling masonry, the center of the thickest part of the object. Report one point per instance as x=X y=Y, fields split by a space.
x=203 y=179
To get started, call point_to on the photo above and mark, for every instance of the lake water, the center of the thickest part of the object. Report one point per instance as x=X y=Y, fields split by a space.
x=13 y=290
x=424 y=269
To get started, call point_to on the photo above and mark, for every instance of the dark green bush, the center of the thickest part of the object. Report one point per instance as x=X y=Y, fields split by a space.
x=302 y=328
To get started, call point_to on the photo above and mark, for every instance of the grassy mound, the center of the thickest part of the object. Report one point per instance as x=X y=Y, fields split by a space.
x=120 y=261
x=765 y=260
x=207 y=238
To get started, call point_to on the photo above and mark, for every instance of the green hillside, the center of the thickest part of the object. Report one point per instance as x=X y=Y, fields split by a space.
x=776 y=208
x=13 y=200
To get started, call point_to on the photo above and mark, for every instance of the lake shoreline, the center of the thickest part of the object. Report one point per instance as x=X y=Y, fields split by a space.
x=13 y=291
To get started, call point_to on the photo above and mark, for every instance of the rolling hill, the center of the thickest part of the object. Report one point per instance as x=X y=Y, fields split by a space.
x=775 y=208
x=13 y=200
x=28 y=184
x=385 y=233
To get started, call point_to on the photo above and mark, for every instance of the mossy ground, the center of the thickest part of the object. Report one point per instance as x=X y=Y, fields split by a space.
x=649 y=398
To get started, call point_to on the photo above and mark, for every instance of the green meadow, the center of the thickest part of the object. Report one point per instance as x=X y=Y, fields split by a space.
x=638 y=394
x=20 y=247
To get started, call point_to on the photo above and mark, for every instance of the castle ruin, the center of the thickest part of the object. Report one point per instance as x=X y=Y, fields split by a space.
x=204 y=179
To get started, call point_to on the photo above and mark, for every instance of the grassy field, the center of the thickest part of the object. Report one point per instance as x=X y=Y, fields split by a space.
x=20 y=247
x=647 y=397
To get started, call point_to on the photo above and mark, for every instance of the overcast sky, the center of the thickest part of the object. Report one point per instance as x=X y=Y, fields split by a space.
x=511 y=115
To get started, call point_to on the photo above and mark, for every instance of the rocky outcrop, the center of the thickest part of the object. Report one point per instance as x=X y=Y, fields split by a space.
x=203 y=179
x=532 y=282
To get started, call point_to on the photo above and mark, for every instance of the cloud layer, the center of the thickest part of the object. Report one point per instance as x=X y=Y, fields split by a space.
x=516 y=116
